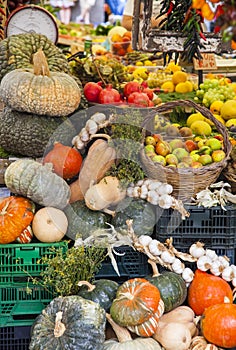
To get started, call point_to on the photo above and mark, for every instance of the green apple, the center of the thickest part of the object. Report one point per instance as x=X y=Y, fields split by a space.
x=159 y=159
x=171 y=159
x=205 y=159
x=205 y=150
x=214 y=144
x=149 y=148
x=149 y=140
x=180 y=153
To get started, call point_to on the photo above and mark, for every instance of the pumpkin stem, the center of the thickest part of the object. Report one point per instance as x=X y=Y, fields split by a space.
x=105 y=136
x=59 y=326
x=155 y=271
x=122 y=333
x=40 y=64
x=90 y=286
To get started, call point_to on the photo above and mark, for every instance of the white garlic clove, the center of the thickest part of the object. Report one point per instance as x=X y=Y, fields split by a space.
x=144 y=240
x=165 y=201
x=98 y=117
x=91 y=126
x=188 y=275
x=212 y=254
x=197 y=250
x=167 y=257
x=224 y=260
x=204 y=263
x=228 y=274
x=154 y=247
x=178 y=266
x=216 y=267
x=84 y=135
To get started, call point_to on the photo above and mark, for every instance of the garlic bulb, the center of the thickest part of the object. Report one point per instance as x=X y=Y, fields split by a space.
x=178 y=266
x=165 y=201
x=143 y=192
x=155 y=247
x=224 y=260
x=167 y=257
x=164 y=189
x=212 y=254
x=187 y=275
x=197 y=250
x=204 y=263
x=228 y=274
x=216 y=267
x=234 y=282
x=91 y=126
x=144 y=240
x=154 y=185
x=98 y=117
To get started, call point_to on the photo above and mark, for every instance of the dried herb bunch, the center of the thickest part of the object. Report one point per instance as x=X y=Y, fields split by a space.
x=65 y=269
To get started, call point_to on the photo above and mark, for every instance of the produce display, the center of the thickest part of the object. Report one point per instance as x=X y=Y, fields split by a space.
x=82 y=175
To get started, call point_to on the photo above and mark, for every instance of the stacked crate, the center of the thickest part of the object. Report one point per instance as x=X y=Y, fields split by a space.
x=215 y=227
x=21 y=300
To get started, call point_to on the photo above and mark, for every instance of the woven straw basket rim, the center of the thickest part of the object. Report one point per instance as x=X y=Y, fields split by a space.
x=187 y=181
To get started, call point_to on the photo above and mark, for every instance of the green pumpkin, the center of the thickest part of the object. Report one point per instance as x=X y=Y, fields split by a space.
x=81 y=325
x=31 y=135
x=102 y=291
x=82 y=220
x=140 y=211
x=172 y=288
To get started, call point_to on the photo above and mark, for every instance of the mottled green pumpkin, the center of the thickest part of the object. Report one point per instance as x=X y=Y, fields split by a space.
x=40 y=91
x=172 y=288
x=102 y=291
x=17 y=51
x=37 y=182
x=83 y=221
x=31 y=135
x=140 y=211
x=69 y=323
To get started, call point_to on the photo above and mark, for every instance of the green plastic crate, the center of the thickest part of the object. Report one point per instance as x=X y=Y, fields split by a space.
x=21 y=303
x=19 y=261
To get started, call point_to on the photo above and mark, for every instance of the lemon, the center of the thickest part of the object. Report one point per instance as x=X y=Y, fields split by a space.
x=230 y=122
x=179 y=77
x=190 y=85
x=228 y=110
x=148 y=63
x=194 y=117
x=141 y=72
x=168 y=85
x=201 y=127
x=216 y=106
x=182 y=88
x=139 y=63
x=172 y=67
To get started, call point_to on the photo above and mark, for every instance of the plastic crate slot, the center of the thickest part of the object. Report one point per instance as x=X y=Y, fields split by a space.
x=15 y=338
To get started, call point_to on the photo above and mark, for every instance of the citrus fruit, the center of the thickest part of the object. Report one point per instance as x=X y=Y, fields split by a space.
x=193 y=117
x=168 y=85
x=201 y=127
x=179 y=77
x=216 y=106
x=228 y=110
x=182 y=88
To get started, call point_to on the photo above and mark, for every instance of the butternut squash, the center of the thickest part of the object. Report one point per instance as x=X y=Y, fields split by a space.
x=105 y=194
x=173 y=335
x=98 y=161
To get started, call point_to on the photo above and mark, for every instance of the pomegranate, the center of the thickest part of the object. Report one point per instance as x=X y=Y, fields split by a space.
x=109 y=95
x=66 y=160
x=139 y=99
x=92 y=91
x=131 y=86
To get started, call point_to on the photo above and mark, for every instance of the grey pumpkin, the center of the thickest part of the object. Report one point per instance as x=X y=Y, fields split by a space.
x=71 y=323
x=37 y=182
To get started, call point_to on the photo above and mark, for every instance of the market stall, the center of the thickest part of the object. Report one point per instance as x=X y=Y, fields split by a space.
x=117 y=197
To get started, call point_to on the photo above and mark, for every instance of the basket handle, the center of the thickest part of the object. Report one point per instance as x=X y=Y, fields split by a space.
x=202 y=109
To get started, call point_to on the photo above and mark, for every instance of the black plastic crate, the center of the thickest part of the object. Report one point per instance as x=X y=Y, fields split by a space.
x=215 y=227
x=130 y=262
x=15 y=338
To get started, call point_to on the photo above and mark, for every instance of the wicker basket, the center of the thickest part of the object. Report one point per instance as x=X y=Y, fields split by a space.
x=188 y=181
x=231 y=179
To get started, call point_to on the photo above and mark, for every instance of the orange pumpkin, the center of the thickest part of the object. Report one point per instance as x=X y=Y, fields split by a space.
x=137 y=303
x=16 y=213
x=218 y=325
x=206 y=290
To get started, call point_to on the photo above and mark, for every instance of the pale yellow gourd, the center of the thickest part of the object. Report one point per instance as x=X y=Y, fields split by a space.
x=107 y=193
